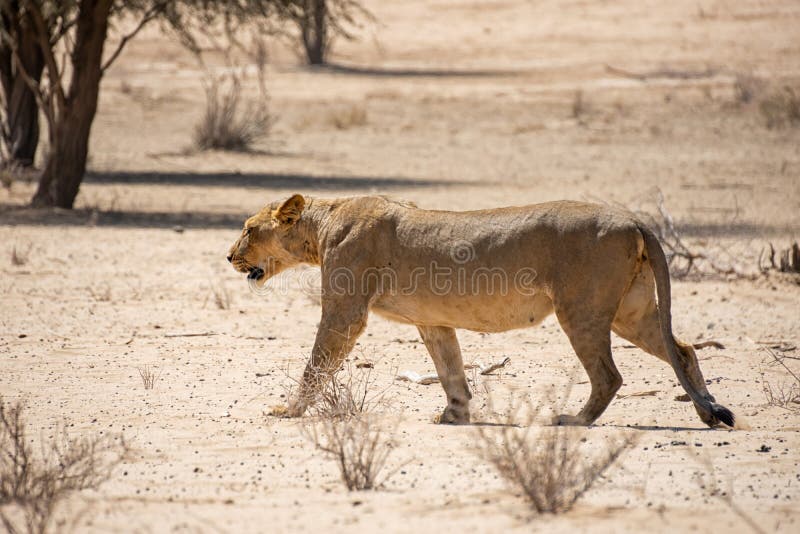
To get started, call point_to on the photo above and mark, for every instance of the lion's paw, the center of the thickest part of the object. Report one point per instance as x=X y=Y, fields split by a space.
x=452 y=417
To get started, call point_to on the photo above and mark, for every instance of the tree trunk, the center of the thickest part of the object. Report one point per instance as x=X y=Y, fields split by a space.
x=66 y=164
x=21 y=133
x=314 y=31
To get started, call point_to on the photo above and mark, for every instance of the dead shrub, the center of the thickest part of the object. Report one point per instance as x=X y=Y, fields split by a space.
x=578 y=106
x=347 y=393
x=788 y=259
x=747 y=88
x=551 y=465
x=359 y=445
x=350 y=117
x=12 y=172
x=343 y=424
x=8 y=175
x=221 y=295
x=33 y=485
x=102 y=293
x=125 y=87
x=684 y=259
x=230 y=122
x=785 y=393
x=149 y=376
x=781 y=108
x=20 y=256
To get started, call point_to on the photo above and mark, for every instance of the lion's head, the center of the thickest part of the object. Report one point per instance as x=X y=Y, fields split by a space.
x=268 y=244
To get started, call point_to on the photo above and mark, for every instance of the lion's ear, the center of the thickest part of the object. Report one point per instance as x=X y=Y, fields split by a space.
x=290 y=210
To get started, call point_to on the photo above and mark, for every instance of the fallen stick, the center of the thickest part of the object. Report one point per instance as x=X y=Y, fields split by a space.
x=488 y=369
x=199 y=334
x=650 y=393
x=433 y=378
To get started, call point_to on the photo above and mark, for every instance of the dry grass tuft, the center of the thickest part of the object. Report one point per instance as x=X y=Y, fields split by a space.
x=359 y=445
x=12 y=172
x=747 y=87
x=20 y=256
x=347 y=394
x=102 y=293
x=781 y=108
x=786 y=393
x=230 y=123
x=149 y=376
x=552 y=465
x=578 y=106
x=344 y=424
x=222 y=297
x=351 y=117
x=125 y=87
x=33 y=485
x=7 y=176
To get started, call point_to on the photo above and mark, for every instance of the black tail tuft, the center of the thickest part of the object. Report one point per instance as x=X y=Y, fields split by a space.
x=723 y=414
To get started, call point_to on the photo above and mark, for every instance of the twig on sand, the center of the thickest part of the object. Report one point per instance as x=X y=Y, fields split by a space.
x=197 y=334
x=489 y=369
x=433 y=378
x=651 y=393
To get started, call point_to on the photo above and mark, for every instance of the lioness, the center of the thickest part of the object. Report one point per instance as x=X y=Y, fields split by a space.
x=598 y=268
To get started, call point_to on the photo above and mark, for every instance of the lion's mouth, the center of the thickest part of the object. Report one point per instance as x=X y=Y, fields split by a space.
x=256 y=273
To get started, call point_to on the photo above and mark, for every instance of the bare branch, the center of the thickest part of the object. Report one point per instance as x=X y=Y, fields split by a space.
x=149 y=15
x=702 y=262
x=53 y=73
x=42 y=98
x=63 y=29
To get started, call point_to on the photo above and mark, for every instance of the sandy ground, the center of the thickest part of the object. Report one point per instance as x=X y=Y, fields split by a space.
x=466 y=105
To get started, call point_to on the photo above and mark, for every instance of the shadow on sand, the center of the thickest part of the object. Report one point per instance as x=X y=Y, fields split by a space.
x=15 y=215
x=265 y=180
x=355 y=70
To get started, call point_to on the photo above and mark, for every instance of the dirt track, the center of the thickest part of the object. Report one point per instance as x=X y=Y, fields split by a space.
x=468 y=105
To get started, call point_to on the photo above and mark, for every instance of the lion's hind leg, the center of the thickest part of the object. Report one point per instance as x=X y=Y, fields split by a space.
x=637 y=321
x=590 y=336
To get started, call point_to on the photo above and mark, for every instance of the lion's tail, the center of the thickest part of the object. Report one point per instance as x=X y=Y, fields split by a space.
x=658 y=262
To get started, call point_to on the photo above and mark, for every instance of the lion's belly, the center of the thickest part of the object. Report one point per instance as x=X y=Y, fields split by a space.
x=482 y=314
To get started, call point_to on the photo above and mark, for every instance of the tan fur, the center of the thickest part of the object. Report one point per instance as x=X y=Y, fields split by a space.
x=590 y=264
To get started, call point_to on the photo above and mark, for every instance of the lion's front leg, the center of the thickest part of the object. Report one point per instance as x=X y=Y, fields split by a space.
x=341 y=324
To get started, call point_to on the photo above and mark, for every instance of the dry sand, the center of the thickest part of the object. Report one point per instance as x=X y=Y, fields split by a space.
x=468 y=105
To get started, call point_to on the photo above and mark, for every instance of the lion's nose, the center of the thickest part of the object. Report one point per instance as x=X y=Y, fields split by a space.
x=230 y=258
